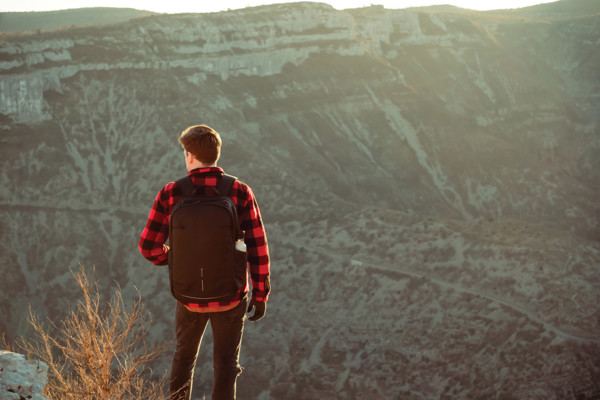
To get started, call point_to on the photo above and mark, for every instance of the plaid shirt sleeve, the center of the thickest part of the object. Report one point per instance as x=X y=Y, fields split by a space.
x=156 y=231
x=255 y=239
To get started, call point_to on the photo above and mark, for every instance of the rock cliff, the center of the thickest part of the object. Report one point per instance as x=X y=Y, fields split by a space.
x=20 y=378
x=428 y=178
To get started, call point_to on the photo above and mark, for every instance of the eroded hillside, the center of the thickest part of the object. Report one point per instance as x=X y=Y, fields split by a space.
x=428 y=178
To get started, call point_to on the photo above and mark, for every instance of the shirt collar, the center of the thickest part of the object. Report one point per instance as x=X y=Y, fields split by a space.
x=207 y=171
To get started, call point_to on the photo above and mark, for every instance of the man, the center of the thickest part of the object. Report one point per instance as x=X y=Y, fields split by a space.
x=201 y=148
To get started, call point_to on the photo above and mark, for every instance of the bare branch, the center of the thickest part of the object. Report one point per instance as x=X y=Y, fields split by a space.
x=98 y=351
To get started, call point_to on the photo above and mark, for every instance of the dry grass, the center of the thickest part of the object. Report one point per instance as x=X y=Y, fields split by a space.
x=99 y=350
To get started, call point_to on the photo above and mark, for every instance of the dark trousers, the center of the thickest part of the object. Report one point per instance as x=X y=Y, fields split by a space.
x=227 y=328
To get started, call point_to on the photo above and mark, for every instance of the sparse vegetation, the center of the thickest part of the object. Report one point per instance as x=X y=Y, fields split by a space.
x=99 y=350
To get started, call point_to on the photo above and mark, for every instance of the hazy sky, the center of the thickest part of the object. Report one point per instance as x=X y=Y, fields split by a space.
x=179 y=6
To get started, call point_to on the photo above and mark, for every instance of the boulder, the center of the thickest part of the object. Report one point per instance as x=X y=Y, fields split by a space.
x=21 y=378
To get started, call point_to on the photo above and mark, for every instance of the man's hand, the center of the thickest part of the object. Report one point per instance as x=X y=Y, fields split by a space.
x=166 y=248
x=260 y=307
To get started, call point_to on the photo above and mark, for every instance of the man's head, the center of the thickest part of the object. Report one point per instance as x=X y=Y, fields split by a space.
x=203 y=142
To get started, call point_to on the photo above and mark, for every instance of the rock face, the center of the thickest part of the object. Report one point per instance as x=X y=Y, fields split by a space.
x=20 y=378
x=429 y=179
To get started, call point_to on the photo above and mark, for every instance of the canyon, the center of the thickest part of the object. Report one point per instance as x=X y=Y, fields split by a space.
x=428 y=178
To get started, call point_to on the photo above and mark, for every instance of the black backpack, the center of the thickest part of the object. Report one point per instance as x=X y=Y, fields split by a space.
x=204 y=265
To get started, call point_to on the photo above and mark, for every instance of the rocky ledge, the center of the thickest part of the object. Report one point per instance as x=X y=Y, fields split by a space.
x=21 y=378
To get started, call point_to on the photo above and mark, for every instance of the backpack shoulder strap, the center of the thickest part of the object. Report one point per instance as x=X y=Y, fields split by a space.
x=223 y=188
x=186 y=186
x=189 y=189
x=225 y=185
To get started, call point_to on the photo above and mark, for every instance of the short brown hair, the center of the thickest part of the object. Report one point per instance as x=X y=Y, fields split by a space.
x=203 y=142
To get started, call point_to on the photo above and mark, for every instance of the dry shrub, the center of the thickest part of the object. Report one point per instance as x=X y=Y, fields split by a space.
x=99 y=351
x=4 y=343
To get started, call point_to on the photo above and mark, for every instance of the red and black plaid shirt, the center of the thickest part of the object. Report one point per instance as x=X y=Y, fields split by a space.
x=156 y=232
